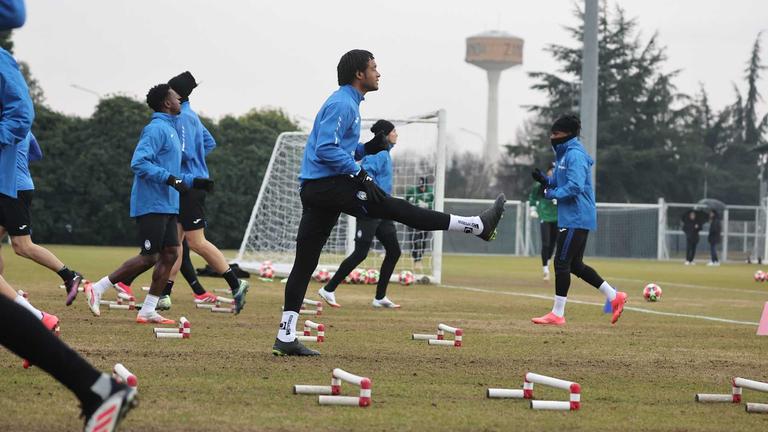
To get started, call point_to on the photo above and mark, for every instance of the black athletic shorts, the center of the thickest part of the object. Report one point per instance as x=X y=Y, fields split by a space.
x=16 y=213
x=367 y=228
x=192 y=210
x=156 y=232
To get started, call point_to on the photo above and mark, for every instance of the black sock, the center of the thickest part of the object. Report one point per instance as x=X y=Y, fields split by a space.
x=168 y=288
x=197 y=288
x=66 y=274
x=231 y=279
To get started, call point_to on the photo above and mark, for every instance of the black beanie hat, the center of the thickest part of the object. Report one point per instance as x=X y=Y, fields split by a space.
x=183 y=84
x=382 y=126
x=569 y=124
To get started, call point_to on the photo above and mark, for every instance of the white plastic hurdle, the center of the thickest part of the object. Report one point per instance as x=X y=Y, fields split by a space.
x=307 y=336
x=184 y=331
x=329 y=395
x=573 y=404
x=757 y=408
x=736 y=389
x=304 y=311
x=455 y=331
x=119 y=304
x=121 y=374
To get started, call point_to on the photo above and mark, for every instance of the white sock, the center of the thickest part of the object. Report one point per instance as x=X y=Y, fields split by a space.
x=608 y=291
x=546 y=269
x=150 y=303
x=287 y=332
x=101 y=286
x=466 y=224
x=559 y=307
x=28 y=306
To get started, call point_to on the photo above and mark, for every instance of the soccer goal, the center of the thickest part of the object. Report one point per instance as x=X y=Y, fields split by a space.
x=419 y=160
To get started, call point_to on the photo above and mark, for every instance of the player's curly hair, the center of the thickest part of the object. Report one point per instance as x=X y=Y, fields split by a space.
x=568 y=123
x=156 y=96
x=350 y=63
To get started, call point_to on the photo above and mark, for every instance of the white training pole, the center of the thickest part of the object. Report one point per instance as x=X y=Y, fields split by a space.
x=756 y=408
x=706 y=397
x=312 y=389
x=125 y=375
x=348 y=377
x=225 y=300
x=750 y=384
x=107 y=302
x=308 y=312
x=122 y=306
x=548 y=381
x=176 y=335
x=422 y=336
x=551 y=405
x=311 y=302
x=302 y=338
x=339 y=400
x=497 y=393
x=223 y=310
x=442 y=342
x=447 y=328
x=205 y=305
x=166 y=330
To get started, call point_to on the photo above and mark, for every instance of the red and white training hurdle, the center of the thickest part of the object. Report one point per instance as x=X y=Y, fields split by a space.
x=221 y=305
x=308 y=337
x=573 y=404
x=183 y=331
x=121 y=374
x=439 y=337
x=317 y=311
x=329 y=395
x=737 y=384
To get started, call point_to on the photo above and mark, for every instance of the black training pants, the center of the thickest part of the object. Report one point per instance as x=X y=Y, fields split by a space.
x=323 y=200
x=24 y=334
x=548 y=241
x=569 y=258
x=691 y=241
x=367 y=228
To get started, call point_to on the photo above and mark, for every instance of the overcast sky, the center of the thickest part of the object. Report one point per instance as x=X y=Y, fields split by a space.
x=283 y=54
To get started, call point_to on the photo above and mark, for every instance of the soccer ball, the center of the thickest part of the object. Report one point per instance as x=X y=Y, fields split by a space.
x=759 y=276
x=357 y=276
x=266 y=272
x=652 y=292
x=406 y=277
x=322 y=275
x=372 y=277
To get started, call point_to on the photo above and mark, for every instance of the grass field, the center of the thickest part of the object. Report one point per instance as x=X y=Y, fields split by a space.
x=640 y=375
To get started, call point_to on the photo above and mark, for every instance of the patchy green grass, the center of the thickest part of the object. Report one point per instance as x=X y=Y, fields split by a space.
x=641 y=374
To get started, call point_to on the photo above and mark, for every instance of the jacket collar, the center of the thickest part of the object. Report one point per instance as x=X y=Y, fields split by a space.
x=560 y=149
x=353 y=93
x=163 y=116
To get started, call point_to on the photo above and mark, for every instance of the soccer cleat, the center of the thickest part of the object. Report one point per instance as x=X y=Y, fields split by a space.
x=491 y=217
x=153 y=318
x=205 y=298
x=71 y=286
x=164 y=303
x=329 y=297
x=294 y=348
x=239 y=295
x=385 y=303
x=124 y=289
x=107 y=416
x=93 y=298
x=618 y=305
x=549 y=319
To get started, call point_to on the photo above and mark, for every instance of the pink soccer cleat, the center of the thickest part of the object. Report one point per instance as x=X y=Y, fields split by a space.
x=154 y=318
x=205 y=298
x=123 y=288
x=549 y=319
x=93 y=298
x=618 y=305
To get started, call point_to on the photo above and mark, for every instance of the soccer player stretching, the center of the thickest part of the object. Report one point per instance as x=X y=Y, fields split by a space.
x=571 y=186
x=378 y=163
x=331 y=183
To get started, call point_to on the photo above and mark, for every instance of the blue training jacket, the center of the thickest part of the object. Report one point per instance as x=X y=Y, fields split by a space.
x=157 y=157
x=334 y=137
x=27 y=150
x=379 y=166
x=16 y=117
x=196 y=143
x=571 y=186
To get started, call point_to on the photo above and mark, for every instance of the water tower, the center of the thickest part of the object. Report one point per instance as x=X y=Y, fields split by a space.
x=494 y=51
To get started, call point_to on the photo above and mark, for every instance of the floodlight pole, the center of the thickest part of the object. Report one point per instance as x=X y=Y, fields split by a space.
x=589 y=68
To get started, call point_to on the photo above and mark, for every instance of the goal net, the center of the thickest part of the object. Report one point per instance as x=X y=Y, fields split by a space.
x=419 y=176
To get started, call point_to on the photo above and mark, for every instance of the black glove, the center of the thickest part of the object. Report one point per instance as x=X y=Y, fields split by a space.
x=540 y=177
x=177 y=184
x=372 y=191
x=205 y=184
x=376 y=144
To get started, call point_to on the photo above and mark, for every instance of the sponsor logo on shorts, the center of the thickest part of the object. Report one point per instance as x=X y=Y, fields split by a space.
x=362 y=196
x=22 y=227
x=563 y=229
x=196 y=221
x=359 y=233
x=469 y=224
x=147 y=244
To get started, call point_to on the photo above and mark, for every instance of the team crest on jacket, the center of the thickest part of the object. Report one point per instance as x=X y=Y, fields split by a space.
x=147 y=245
x=362 y=196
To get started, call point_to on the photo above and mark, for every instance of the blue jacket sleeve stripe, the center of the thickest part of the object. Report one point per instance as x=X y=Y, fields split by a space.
x=334 y=122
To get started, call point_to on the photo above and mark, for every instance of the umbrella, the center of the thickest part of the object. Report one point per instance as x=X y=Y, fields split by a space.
x=711 y=204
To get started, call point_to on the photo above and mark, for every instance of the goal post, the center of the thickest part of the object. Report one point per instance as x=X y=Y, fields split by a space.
x=419 y=163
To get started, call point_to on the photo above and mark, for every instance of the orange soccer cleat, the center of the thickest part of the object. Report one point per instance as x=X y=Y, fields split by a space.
x=549 y=319
x=618 y=305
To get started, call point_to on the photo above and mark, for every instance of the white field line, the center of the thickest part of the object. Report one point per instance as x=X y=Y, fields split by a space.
x=634 y=309
x=690 y=285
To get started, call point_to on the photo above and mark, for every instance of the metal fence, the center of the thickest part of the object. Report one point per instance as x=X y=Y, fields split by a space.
x=651 y=231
